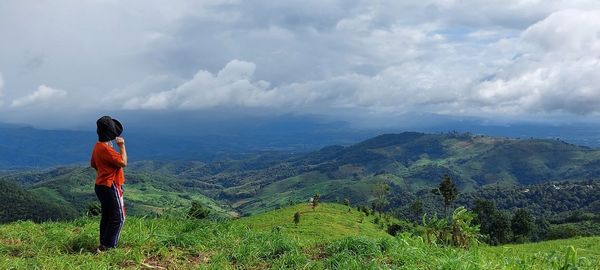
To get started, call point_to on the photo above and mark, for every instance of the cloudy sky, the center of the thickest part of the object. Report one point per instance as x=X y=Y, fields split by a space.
x=534 y=59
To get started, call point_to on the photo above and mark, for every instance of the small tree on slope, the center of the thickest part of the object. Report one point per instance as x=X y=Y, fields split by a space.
x=522 y=224
x=448 y=191
x=297 y=218
x=198 y=211
x=315 y=200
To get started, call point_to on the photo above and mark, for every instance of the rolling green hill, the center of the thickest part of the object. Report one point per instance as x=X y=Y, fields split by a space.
x=327 y=222
x=330 y=237
x=147 y=193
x=409 y=162
x=20 y=204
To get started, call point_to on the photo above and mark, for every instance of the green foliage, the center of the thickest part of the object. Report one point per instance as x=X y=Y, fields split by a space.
x=499 y=228
x=458 y=232
x=398 y=227
x=380 y=192
x=522 y=223
x=571 y=200
x=541 y=228
x=494 y=224
x=316 y=199
x=464 y=233
x=394 y=229
x=435 y=229
x=198 y=211
x=563 y=231
x=447 y=190
x=416 y=209
x=376 y=220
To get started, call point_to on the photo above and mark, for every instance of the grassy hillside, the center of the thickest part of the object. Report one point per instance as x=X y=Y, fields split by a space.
x=146 y=193
x=328 y=238
x=17 y=203
x=325 y=223
x=586 y=247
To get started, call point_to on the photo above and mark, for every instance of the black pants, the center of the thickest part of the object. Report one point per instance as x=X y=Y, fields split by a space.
x=112 y=218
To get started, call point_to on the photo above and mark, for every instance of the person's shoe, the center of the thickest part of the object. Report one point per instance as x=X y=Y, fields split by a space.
x=101 y=249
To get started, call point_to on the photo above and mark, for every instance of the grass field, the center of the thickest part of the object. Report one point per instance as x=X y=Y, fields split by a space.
x=329 y=237
x=585 y=247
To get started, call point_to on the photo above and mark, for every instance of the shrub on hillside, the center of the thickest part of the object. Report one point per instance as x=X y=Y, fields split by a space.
x=403 y=226
x=522 y=224
x=93 y=210
x=346 y=202
x=395 y=229
x=494 y=224
x=563 y=231
x=458 y=232
x=463 y=232
x=316 y=200
x=198 y=211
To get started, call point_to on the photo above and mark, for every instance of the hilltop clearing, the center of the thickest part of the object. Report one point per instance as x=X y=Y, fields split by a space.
x=330 y=237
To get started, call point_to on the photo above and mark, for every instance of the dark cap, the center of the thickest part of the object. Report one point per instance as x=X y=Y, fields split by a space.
x=108 y=129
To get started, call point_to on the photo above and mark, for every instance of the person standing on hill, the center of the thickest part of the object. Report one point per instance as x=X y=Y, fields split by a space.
x=109 y=165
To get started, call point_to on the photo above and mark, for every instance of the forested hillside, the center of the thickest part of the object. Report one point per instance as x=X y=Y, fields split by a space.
x=410 y=163
x=545 y=199
x=20 y=204
x=147 y=192
x=542 y=199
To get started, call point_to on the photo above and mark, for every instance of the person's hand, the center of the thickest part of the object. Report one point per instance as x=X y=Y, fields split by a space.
x=120 y=141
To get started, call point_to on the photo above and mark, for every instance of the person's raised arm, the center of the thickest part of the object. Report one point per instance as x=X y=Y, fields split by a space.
x=121 y=143
x=93 y=162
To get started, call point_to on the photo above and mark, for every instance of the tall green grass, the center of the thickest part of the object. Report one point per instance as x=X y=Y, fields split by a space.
x=328 y=238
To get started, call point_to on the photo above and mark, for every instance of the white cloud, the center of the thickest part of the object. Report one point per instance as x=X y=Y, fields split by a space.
x=547 y=69
x=232 y=85
x=404 y=88
x=572 y=31
x=494 y=57
x=42 y=95
x=557 y=69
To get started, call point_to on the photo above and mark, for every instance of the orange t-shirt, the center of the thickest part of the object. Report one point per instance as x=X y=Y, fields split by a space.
x=106 y=162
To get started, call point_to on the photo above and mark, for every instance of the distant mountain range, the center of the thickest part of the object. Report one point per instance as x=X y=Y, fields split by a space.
x=211 y=136
x=409 y=162
x=23 y=147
